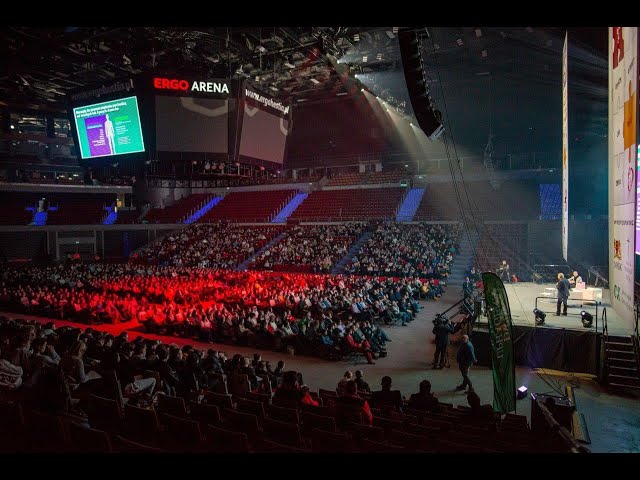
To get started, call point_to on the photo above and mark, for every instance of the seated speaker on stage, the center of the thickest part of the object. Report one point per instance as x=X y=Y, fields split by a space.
x=575 y=280
x=503 y=271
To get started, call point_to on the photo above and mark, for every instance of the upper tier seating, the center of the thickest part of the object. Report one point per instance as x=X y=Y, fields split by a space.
x=388 y=177
x=14 y=204
x=258 y=206
x=351 y=178
x=78 y=208
x=514 y=200
x=351 y=204
x=176 y=212
x=438 y=203
x=127 y=217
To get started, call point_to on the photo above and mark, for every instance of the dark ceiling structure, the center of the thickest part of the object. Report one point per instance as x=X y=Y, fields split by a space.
x=41 y=65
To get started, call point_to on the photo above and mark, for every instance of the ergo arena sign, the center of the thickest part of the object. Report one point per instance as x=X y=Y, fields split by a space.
x=175 y=84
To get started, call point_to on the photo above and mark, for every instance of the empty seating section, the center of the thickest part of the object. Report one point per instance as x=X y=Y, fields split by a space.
x=177 y=211
x=256 y=206
x=127 y=217
x=306 y=178
x=388 y=177
x=78 y=208
x=357 y=178
x=438 y=203
x=351 y=204
x=13 y=207
x=503 y=241
x=514 y=200
x=351 y=178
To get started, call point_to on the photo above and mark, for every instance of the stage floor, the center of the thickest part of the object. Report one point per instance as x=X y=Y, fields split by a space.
x=522 y=301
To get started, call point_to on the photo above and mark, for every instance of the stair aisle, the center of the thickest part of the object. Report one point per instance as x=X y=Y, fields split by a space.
x=464 y=259
x=353 y=250
x=202 y=210
x=410 y=205
x=245 y=265
x=290 y=207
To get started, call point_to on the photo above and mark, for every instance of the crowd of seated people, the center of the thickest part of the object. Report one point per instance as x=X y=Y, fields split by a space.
x=408 y=250
x=30 y=350
x=183 y=395
x=311 y=314
x=313 y=249
x=207 y=246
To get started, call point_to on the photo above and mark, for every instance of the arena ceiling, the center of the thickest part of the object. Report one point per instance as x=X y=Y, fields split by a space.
x=43 y=64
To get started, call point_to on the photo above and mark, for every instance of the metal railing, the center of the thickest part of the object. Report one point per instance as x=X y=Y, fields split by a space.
x=548 y=273
x=595 y=272
x=587 y=302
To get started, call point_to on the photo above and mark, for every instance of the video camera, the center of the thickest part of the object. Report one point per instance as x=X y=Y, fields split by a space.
x=440 y=318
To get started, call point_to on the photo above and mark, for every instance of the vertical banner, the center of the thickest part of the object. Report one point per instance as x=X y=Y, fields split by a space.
x=501 y=341
x=565 y=153
x=623 y=74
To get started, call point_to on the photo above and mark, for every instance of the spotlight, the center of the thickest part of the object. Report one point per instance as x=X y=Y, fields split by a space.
x=540 y=316
x=522 y=392
x=587 y=319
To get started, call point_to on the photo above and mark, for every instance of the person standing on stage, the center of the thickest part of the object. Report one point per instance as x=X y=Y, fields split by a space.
x=503 y=272
x=466 y=357
x=563 y=287
x=575 y=279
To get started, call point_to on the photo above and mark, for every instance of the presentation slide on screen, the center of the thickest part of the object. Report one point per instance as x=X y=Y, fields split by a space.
x=187 y=124
x=109 y=128
x=264 y=135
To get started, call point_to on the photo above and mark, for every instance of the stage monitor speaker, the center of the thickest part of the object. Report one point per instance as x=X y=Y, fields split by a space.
x=561 y=408
x=429 y=118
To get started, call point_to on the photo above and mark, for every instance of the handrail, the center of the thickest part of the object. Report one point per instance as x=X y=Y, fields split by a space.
x=572 y=445
x=592 y=270
x=605 y=335
x=452 y=306
x=595 y=302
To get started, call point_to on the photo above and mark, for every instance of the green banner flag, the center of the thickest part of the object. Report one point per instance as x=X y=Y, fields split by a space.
x=501 y=338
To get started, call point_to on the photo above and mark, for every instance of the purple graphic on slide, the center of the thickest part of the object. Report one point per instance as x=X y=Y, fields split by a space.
x=96 y=136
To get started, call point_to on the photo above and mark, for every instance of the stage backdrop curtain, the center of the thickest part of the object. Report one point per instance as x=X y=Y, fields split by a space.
x=562 y=349
x=501 y=340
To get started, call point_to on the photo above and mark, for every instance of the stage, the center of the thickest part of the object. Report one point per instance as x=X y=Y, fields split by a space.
x=562 y=343
x=522 y=301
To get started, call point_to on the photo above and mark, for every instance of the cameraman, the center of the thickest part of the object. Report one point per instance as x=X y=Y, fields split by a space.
x=441 y=330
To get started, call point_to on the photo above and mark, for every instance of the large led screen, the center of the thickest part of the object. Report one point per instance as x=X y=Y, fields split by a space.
x=109 y=128
x=188 y=124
